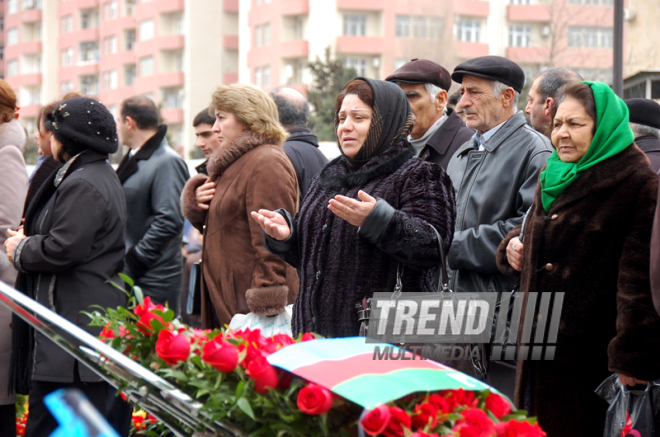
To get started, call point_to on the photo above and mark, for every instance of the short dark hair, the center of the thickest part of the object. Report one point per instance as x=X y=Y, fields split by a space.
x=453 y=99
x=553 y=81
x=582 y=93
x=204 y=117
x=141 y=109
x=292 y=113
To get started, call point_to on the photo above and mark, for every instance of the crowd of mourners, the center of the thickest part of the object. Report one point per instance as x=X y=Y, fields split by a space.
x=564 y=200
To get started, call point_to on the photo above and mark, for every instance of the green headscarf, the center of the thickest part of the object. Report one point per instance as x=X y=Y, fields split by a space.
x=613 y=135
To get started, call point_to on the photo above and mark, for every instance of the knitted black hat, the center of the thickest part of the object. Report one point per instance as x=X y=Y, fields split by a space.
x=644 y=111
x=493 y=68
x=83 y=124
x=422 y=71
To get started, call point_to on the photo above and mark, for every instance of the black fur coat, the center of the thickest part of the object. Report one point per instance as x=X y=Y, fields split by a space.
x=338 y=266
x=593 y=245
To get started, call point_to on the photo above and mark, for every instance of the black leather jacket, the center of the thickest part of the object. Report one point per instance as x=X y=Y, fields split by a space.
x=494 y=189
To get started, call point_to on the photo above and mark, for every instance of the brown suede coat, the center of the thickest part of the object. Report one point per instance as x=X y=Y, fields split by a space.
x=240 y=274
x=593 y=245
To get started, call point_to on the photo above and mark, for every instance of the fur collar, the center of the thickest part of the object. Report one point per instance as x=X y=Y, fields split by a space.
x=12 y=134
x=336 y=175
x=224 y=157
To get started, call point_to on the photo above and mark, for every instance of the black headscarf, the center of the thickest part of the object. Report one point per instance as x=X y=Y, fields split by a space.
x=391 y=120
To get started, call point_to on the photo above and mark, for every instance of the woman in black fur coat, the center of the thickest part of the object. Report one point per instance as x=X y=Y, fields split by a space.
x=367 y=211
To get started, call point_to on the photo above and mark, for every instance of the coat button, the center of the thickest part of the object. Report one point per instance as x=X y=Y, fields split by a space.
x=318 y=274
x=549 y=267
x=554 y=217
x=325 y=227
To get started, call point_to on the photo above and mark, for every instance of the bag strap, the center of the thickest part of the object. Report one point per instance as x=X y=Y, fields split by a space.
x=443 y=280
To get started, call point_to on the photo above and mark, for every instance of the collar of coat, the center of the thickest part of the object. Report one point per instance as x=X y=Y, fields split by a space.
x=129 y=166
x=223 y=157
x=337 y=175
x=510 y=126
x=443 y=138
x=603 y=175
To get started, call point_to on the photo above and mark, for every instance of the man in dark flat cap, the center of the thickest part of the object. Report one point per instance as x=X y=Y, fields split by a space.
x=495 y=173
x=438 y=132
x=645 y=124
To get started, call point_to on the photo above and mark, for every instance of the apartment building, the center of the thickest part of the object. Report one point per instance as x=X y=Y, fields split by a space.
x=278 y=37
x=174 y=51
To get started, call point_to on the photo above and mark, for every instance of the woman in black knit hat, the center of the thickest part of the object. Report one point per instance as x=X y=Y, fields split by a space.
x=73 y=243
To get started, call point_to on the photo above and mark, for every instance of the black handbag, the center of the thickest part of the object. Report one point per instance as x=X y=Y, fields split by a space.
x=194 y=301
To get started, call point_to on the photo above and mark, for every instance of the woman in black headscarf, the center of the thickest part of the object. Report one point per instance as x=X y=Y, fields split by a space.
x=367 y=211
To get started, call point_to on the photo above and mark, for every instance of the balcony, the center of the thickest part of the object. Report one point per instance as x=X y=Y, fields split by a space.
x=149 y=9
x=294 y=7
x=472 y=8
x=528 y=55
x=30 y=111
x=230 y=42
x=529 y=13
x=169 y=80
x=362 y=5
x=66 y=8
x=230 y=6
x=363 y=45
x=83 y=35
x=30 y=47
x=295 y=49
x=467 y=50
x=31 y=16
x=166 y=42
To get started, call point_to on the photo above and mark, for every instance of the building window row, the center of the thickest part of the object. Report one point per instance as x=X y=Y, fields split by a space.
x=147 y=30
x=147 y=66
x=520 y=36
x=262 y=35
x=419 y=27
x=592 y=2
x=520 y=2
x=262 y=76
x=89 y=52
x=173 y=98
x=89 y=85
x=358 y=64
x=468 y=30
x=355 y=25
x=591 y=37
x=12 y=36
x=110 y=10
x=110 y=80
x=67 y=57
x=66 y=24
x=89 y=19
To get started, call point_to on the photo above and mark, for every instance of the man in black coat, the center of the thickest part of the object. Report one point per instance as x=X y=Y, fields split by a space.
x=645 y=124
x=302 y=146
x=438 y=130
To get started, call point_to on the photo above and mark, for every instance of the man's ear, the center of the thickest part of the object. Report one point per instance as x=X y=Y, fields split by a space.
x=441 y=100
x=548 y=105
x=507 y=97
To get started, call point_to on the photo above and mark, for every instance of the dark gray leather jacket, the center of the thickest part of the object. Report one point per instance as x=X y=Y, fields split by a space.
x=494 y=189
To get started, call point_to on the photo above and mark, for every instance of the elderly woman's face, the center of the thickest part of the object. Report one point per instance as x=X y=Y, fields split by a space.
x=227 y=127
x=354 y=121
x=572 y=130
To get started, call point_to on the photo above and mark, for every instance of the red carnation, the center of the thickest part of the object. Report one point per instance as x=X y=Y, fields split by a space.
x=425 y=413
x=263 y=374
x=497 y=405
x=513 y=428
x=477 y=421
x=398 y=421
x=314 y=399
x=172 y=347
x=220 y=354
x=376 y=420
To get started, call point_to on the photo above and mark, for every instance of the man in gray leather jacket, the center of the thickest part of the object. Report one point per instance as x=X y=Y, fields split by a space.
x=495 y=173
x=153 y=176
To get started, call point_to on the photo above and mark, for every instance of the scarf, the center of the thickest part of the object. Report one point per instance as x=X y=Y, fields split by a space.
x=613 y=135
x=391 y=120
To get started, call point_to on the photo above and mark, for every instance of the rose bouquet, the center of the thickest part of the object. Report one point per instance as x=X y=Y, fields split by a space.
x=229 y=373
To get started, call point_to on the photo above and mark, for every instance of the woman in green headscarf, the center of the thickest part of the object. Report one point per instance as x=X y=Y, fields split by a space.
x=587 y=235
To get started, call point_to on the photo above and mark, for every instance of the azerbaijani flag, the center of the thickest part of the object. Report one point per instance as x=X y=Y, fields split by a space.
x=350 y=368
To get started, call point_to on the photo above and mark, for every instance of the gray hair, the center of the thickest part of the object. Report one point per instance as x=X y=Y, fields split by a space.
x=499 y=87
x=433 y=90
x=554 y=80
x=641 y=130
x=292 y=111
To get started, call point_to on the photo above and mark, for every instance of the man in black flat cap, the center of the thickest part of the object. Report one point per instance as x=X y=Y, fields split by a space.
x=645 y=124
x=438 y=132
x=495 y=173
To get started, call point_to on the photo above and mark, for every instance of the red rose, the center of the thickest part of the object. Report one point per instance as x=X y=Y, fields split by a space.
x=276 y=342
x=249 y=336
x=314 y=399
x=440 y=403
x=146 y=306
x=513 y=428
x=172 y=347
x=460 y=397
x=422 y=434
x=251 y=353
x=263 y=374
x=475 y=420
x=398 y=421
x=285 y=379
x=425 y=413
x=107 y=333
x=220 y=354
x=144 y=322
x=497 y=405
x=466 y=431
x=376 y=420
x=307 y=336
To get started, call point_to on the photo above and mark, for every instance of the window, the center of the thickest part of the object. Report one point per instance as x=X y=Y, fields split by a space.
x=129 y=39
x=12 y=36
x=355 y=25
x=359 y=64
x=2 y=53
x=520 y=2
x=399 y=63
x=257 y=76
x=129 y=74
x=66 y=24
x=2 y=22
x=146 y=66
x=110 y=44
x=30 y=96
x=110 y=10
x=520 y=36
x=173 y=98
x=469 y=30
x=593 y=37
x=110 y=80
x=179 y=28
x=435 y=28
x=67 y=57
x=266 y=34
x=403 y=26
x=89 y=51
x=66 y=87
x=178 y=62
x=146 y=30
x=266 y=74
x=257 y=36
x=31 y=4
x=12 y=6
x=12 y=68
x=31 y=64
x=129 y=6
x=592 y=2
x=419 y=27
x=89 y=19
x=89 y=85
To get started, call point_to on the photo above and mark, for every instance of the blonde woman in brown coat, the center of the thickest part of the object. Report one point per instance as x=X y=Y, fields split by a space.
x=249 y=171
